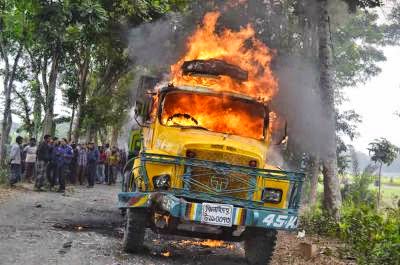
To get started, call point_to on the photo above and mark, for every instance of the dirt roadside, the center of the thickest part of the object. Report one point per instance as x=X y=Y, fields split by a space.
x=84 y=227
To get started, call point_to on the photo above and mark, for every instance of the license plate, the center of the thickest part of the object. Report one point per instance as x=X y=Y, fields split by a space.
x=217 y=214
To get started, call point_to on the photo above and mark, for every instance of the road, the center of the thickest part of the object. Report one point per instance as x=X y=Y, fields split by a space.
x=84 y=227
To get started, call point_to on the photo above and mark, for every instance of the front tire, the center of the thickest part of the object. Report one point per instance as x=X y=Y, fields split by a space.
x=135 y=230
x=259 y=246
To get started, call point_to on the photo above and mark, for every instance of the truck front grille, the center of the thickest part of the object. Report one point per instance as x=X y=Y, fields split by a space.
x=230 y=184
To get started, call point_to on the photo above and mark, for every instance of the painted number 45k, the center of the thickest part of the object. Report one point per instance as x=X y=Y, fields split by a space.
x=280 y=221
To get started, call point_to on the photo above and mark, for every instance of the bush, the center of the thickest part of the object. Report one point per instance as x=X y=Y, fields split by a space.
x=372 y=237
x=358 y=192
x=316 y=221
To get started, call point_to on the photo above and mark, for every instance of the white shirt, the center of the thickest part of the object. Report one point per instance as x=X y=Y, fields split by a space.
x=15 y=154
x=30 y=154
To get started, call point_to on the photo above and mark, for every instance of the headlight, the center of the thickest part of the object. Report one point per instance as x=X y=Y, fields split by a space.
x=162 y=182
x=272 y=195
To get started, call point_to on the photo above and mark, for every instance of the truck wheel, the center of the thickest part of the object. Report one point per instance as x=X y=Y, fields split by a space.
x=134 y=230
x=259 y=247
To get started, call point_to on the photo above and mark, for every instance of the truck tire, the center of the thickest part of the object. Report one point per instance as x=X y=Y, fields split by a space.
x=135 y=229
x=259 y=246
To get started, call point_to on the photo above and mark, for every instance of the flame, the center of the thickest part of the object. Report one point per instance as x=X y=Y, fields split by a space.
x=166 y=254
x=207 y=243
x=223 y=114
x=240 y=48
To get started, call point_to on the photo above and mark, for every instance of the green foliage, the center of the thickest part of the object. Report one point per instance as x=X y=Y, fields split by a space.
x=373 y=237
x=383 y=151
x=356 y=49
x=315 y=221
x=358 y=191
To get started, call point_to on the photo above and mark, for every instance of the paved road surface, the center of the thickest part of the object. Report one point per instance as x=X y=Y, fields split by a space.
x=84 y=227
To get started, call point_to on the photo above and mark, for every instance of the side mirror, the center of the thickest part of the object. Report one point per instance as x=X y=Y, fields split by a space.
x=144 y=99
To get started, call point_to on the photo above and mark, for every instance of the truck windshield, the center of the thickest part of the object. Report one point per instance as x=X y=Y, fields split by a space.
x=217 y=113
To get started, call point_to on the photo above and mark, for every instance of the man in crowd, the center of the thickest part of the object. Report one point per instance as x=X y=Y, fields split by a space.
x=122 y=159
x=67 y=158
x=30 y=159
x=52 y=167
x=100 y=165
x=15 y=161
x=107 y=151
x=113 y=164
x=81 y=163
x=74 y=164
x=43 y=160
x=63 y=155
x=92 y=158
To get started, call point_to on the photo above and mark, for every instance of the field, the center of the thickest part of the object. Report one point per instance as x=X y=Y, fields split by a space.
x=390 y=190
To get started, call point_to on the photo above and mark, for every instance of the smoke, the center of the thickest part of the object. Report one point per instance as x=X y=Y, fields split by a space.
x=299 y=102
x=157 y=45
x=154 y=46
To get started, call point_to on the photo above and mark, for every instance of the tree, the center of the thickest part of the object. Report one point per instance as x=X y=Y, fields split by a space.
x=382 y=152
x=332 y=198
x=15 y=30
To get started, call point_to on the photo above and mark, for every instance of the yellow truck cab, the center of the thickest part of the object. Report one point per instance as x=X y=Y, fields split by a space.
x=202 y=171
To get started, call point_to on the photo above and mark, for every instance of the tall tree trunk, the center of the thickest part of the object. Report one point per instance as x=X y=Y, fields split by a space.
x=83 y=70
x=9 y=77
x=103 y=136
x=314 y=174
x=70 y=124
x=37 y=108
x=48 y=124
x=114 y=135
x=332 y=197
x=379 y=186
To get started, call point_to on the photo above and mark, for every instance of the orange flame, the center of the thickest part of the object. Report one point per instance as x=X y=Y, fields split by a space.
x=239 y=48
x=207 y=243
x=222 y=114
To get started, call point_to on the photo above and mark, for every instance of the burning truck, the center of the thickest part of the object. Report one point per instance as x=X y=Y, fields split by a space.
x=201 y=167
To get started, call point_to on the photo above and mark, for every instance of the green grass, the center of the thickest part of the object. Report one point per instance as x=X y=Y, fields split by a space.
x=390 y=194
x=390 y=190
x=391 y=180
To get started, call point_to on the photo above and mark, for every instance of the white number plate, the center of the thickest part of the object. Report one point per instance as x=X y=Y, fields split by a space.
x=217 y=214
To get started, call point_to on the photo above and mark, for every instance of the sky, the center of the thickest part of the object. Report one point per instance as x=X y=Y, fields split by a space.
x=376 y=101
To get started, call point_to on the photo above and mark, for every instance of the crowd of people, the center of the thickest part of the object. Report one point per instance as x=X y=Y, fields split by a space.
x=56 y=162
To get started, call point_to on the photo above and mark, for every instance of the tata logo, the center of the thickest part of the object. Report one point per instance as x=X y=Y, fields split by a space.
x=219 y=183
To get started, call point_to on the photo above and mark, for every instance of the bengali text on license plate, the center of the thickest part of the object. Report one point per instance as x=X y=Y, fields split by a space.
x=217 y=214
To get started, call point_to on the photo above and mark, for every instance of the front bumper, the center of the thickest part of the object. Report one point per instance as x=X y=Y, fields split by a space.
x=281 y=219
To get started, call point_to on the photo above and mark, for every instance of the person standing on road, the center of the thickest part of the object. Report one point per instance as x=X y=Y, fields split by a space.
x=30 y=160
x=66 y=158
x=52 y=167
x=100 y=165
x=43 y=160
x=68 y=155
x=122 y=160
x=74 y=164
x=107 y=151
x=113 y=162
x=15 y=162
x=82 y=163
x=92 y=159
